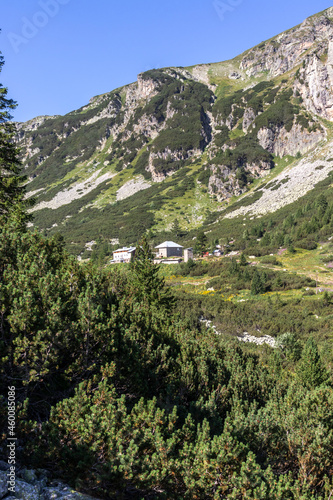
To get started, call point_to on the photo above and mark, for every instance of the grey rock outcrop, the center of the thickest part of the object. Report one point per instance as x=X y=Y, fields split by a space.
x=32 y=124
x=281 y=142
x=148 y=126
x=259 y=169
x=224 y=184
x=170 y=156
x=235 y=76
x=111 y=110
x=35 y=485
x=27 y=491
x=248 y=118
x=314 y=83
x=287 y=50
x=147 y=87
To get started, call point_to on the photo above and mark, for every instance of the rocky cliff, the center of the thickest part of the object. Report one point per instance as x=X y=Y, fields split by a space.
x=289 y=49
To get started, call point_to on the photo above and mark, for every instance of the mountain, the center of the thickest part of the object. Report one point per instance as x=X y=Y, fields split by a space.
x=183 y=144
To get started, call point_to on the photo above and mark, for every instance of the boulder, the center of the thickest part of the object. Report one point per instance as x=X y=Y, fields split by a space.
x=3 y=484
x=26 y=491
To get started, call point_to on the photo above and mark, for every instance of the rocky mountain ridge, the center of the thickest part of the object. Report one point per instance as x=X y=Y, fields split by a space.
x=201 y=134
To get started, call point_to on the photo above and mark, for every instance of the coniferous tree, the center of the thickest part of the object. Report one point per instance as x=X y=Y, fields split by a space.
x=243 y=261
x=12 y=191
x=147 y=283
x=234 y=266
x=270 y=224
x=311 y=370
x=265 y=240
x=279 y=239
x=176 y=230
x=257 y=286
x=246 y=275
x=201 y=243
x=326 y=299
x=287 y=241
x=321 y=204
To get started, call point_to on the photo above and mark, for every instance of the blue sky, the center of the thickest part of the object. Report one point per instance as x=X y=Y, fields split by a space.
x=60 y=53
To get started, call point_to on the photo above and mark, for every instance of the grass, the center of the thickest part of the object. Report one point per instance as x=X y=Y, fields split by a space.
x=198 y=285
x=309 y=263
x=189 y=209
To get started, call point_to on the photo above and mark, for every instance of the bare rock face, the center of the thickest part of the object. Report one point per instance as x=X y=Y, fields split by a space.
x=287 y=50
x=170 y=156
x=110 y=111
x=235 y=76
x=266 y=137
x=224 y=188
x=259 y=169
x=230 y=121
x=200 y=73
x=32 y=124
x=224 y=183
x=248 y=118
x=148 y=126
x=314 y=83
x=147 y=87
x=280 y=142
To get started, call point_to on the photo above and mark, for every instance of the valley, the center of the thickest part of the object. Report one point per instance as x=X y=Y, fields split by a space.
x=129 y=373
x=198 y=145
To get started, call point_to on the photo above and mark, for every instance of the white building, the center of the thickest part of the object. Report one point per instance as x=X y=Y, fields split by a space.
x=169 y=249
x=125 y=254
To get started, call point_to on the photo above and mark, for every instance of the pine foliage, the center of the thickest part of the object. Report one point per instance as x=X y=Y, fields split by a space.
x=11 y=182
x=125 y=394
x=311 y=370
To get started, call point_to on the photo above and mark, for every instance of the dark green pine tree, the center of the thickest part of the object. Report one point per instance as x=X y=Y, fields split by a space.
x=146 y=281
x=201 y=243
x=321 y=204
x=326 y=299
x=234 y=266
x=311 y=370
x=176 y=229
x=243 y=261
x=257 y=285
x=12 y=203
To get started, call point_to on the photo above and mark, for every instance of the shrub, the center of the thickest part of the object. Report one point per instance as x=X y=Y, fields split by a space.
x=272 y=260
x=306 y=244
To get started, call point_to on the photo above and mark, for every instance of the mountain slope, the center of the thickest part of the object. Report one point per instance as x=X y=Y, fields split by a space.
x=181 y=143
